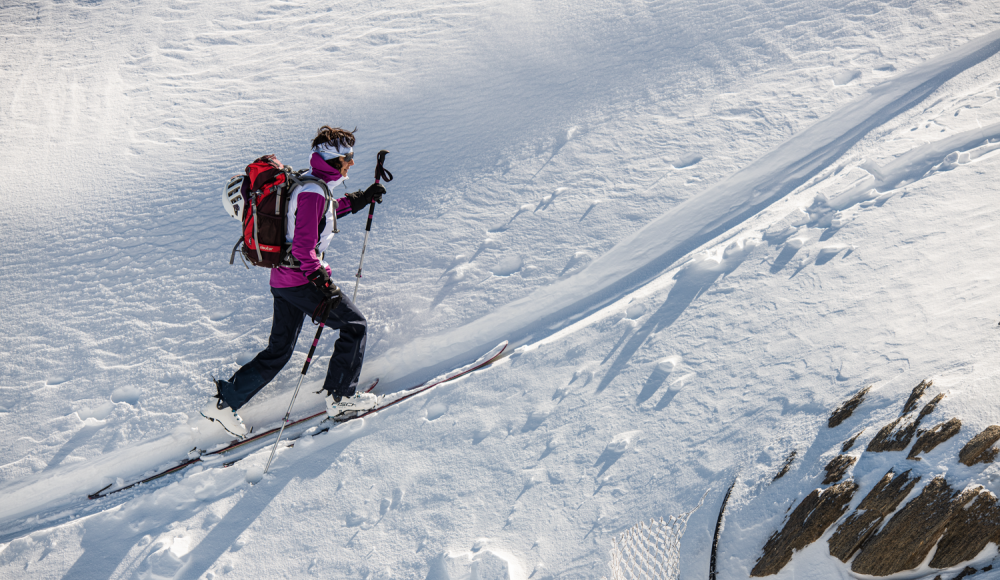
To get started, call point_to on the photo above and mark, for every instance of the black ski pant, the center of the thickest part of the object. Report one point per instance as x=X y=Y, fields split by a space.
x=291 y=307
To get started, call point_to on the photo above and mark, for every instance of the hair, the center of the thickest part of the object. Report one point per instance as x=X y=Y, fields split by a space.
x=337 y=136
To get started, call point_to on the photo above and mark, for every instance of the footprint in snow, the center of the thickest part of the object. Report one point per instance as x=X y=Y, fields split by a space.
x=456 y=269
x=397 y=498
x=504 y=226
x=436 y=411
x=635 y=310
x=659 y=376
x=615 y=449
x=551 y=445
x=593 y=203
x=534 y=421
x=549 y=199
x=846 y=77
x=220 y=314
x=508 y=266
x=792 y=246
x=578 y=260
x=562 y=138
x=829 y=253
x=477 y=563
x=580 y=378
x=673 y=390
x=488 y=243
x=687 y=160
x=129 y=395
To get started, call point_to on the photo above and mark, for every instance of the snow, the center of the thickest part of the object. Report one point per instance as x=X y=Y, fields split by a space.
x=701 y=226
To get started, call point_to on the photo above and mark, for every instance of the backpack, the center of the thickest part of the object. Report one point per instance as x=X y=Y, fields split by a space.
x=264 y=190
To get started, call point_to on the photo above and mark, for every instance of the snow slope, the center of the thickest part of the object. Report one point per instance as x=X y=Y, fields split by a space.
x=706 y=225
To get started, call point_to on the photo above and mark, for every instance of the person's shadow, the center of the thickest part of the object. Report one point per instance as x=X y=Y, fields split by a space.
x=109 y=537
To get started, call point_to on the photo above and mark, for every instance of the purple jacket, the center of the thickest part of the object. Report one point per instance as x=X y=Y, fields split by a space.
x=308 y=217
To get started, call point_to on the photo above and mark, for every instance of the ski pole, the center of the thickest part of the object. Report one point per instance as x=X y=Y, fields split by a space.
x=288 y=413
x=380 y=173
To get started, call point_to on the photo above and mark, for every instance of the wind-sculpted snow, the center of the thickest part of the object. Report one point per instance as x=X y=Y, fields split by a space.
x=531 y=143
x=665 y=241
x=915 y=164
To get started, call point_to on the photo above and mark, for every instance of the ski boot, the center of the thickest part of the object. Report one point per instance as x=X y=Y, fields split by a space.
x=218 y=411
x=358 y=402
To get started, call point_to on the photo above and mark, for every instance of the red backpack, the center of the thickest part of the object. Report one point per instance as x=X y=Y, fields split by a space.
x=265 y=190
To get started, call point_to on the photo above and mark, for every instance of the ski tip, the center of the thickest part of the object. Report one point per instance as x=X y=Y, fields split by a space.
x=499 y=351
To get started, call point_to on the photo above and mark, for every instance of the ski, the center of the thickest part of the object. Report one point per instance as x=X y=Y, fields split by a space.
x=200 y=456
x=241 y=448
x=712 y=565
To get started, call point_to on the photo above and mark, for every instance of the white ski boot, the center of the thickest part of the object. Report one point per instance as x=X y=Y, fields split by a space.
x=359 y=401
x=217 y=410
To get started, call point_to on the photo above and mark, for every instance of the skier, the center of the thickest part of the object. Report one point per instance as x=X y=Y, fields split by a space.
x=307 y=289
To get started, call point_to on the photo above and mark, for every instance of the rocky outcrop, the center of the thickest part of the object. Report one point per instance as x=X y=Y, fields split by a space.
x=887 y=439
x=883 y=537
x=850 y=442
x=841 y=413
x=890 y=439
x=837 y=467
x=784 y=468
x=936 y=435
x=810 y=519
x=969 y=529
x=961 y=524
x=881 y=501
x=906 y=540
x=915 y=394
x=980 y=449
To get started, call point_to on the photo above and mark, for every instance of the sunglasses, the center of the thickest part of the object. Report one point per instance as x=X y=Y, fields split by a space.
x=347 y=158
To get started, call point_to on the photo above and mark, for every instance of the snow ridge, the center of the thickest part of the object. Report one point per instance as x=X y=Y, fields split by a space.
x=665 y=241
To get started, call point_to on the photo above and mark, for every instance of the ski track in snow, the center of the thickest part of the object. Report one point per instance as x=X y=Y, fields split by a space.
x=109 y=348
x=693 y=223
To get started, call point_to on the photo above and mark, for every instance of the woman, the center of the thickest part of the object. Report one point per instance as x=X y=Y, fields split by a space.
x=301 y=289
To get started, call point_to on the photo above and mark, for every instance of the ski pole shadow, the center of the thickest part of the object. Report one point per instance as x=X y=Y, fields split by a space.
x=107 y=541
x=253 y=504
x=826 y=255
x=446 y=289
x=653 y=384
x=783 y=259
x=503 y=228
x=671 y=393
x=691 y=283
x=614 y=349
x=592 y=206
x=78 y=439
x=608 y=458
x=829 y=233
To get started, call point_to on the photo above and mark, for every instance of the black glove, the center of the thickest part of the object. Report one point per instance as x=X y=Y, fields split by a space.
x=331 y=294
x=361 y=199
x=321 y=279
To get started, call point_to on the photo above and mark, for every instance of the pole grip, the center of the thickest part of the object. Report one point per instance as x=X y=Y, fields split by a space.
x=381 y=172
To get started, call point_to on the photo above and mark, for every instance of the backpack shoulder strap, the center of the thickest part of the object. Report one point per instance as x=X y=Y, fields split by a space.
x=301 y=180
